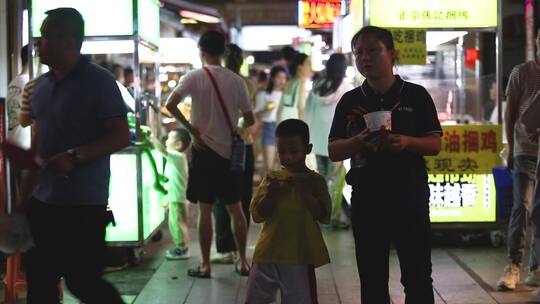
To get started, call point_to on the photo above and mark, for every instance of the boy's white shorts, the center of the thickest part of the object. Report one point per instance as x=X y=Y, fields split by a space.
x=296 y=284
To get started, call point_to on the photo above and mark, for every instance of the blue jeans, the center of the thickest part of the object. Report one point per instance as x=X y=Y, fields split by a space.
x=524 y=179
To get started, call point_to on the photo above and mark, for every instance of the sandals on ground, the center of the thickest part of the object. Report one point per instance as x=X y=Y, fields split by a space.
x=240 y=271
x=196 y=272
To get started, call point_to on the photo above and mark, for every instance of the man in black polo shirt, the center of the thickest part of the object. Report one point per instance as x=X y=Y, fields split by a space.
x=80 y=119
x=390 y=199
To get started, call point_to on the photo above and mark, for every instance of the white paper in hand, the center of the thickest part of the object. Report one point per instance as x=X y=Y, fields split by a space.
x=15 y=236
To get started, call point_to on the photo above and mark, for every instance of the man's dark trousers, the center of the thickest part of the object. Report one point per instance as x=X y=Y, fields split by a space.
x=70 y=243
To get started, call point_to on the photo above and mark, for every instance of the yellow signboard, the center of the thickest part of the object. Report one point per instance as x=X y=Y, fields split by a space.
x=411 y=45
x=462 y=198
x=467 y=149
x=434 y=13
x=356 y=8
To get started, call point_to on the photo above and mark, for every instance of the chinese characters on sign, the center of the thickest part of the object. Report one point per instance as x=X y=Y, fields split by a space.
x=462 y=198
x=411 y=45
x=460 y=177
x=467 y=149
x=433 y=15
x=453 y=191
x=318 y=13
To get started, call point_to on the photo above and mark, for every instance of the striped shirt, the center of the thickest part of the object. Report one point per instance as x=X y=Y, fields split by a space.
x=24 y=115
x=523 y=85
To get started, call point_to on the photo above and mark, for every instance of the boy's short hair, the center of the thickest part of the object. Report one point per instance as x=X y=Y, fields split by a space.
x=293 y=127
x=213 y=43
x=183 y=136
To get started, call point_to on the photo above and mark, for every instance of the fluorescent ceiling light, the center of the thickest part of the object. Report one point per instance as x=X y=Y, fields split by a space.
x=188 y=21
x=198 y=16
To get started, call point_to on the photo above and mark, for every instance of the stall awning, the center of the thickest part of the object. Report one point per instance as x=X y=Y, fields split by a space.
x=192 y=10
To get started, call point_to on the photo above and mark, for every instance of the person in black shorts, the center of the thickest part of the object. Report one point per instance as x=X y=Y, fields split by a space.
x=218 y=97
x=390 y=199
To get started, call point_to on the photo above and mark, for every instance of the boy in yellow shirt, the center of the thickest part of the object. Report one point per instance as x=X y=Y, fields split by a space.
x=289 y=202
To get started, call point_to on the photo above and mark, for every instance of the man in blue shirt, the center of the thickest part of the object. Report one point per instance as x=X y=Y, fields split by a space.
x=80 y=119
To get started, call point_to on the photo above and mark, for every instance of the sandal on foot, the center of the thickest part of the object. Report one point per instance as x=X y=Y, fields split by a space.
x=240 y=271
x=196 y=272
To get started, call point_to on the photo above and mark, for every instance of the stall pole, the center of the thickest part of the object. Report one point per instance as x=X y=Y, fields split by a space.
x=499 y=62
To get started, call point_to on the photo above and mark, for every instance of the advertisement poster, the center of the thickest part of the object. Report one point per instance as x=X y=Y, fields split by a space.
x=460 y=177
x=411 y=46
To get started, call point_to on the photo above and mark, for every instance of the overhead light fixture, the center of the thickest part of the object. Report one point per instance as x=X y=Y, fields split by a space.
x=198 y=16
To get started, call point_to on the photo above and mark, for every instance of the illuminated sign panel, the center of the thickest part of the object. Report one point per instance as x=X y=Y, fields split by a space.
x=319 y=13
x=461 y=182
x=467 y=149
x=101 y=17
x=123 y=198
x=148 y=11
x=434 y=13
x=105 y=17
x=462 y=198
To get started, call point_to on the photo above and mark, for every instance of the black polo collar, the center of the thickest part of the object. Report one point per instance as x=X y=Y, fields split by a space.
x=386 y=101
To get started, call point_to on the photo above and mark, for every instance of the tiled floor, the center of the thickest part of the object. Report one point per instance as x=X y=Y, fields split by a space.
x=461 y=276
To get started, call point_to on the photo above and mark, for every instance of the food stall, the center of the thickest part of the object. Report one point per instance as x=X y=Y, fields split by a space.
x=453 y=48
x=126 y=32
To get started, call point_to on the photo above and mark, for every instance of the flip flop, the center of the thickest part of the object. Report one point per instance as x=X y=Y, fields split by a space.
x=197 y=273
x=238 y=269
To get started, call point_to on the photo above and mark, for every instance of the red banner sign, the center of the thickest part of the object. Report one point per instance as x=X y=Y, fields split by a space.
x=318 y=13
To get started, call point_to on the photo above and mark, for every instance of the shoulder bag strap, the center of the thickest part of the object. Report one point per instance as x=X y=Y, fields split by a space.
x=220 y=98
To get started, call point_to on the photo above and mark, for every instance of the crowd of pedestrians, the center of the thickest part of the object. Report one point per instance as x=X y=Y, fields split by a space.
x=210 y=162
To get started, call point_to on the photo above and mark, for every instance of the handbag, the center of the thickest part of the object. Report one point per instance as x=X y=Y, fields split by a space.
x=238 y=147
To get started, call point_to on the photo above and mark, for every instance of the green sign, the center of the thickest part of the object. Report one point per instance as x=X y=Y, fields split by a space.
x=153 y=212
x=462 y=198
x=101 y=17
x=123 y=197
x=434 y=13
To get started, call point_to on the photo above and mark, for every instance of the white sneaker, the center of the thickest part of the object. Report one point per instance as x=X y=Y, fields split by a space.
x=533 y=278
x=222 y=258
x=509 y=278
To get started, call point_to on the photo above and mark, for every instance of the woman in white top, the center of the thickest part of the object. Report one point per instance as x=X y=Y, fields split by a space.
x=320 y=107
x=266 y=110
x=294 y=94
